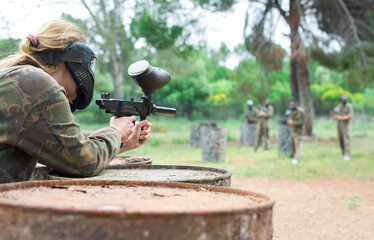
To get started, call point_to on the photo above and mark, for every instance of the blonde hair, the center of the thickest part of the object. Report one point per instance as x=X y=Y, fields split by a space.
x=56 y=34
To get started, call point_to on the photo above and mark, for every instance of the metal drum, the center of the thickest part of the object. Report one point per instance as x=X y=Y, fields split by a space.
x=41 y=172
x=161 y=173
x=130 y=160
x=98 y=209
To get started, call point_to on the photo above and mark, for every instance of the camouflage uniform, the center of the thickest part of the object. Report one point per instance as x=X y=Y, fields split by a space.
x=36 y=124
x=297 y=132
x=263 y=125
x=344 y=128
x=251 y=115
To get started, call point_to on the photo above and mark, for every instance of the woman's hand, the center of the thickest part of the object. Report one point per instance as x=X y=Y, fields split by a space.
x=132 y=136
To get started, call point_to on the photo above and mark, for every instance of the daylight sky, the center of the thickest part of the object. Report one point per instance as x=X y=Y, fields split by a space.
x=26 y=16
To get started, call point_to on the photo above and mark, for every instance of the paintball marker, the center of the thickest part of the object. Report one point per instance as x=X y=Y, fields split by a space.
x=287 y=115
x=149 y=79
x=336 y=111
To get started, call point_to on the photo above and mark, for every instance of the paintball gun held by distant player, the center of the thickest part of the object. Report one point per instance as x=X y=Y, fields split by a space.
x=336 y=111
x=149 y=79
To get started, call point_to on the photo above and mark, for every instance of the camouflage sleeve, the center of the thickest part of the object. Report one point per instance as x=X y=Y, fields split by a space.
x=50 y=135
x=270 y=112
x=298 y=119
x=251 y=116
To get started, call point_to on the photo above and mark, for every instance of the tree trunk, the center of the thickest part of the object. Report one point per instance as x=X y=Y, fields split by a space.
x=293 y=81
x=117 y=74
x=117 y=61
x=299 y=72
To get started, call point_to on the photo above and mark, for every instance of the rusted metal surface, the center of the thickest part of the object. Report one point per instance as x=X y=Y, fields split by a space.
x=130 y=160
x=162 y=173
x=38 y=222
x=41 y=172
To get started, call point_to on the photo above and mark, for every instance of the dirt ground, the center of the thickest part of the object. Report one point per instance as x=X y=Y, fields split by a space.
x=318 y=209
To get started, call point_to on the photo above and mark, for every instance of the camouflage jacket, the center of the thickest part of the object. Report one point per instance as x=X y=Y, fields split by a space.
x=251 y=115
x=298 y=119
x=36 y=124
x=265 y=121
x=344 y=110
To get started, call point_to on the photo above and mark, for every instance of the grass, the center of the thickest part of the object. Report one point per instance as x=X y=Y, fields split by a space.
x=169 y=144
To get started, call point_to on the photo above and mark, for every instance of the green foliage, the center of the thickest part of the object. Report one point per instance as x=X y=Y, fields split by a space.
x=8 y=46
x=368 y=99
x=103 y=82
x=280 y=90
x=250 y=82
x=330 y=97
x=185 y=91
x=221 y=91
x=321 y=158
x=155 y=31
x=344 y=68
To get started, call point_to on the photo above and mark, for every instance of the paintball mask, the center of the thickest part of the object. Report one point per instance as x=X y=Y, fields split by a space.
x=343 y=100
x=294 y=106
x=80 y=61
x=249 y=103
x=287 y=113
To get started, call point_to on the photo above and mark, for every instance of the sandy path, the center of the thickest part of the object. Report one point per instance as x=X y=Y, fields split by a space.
x=318 y=209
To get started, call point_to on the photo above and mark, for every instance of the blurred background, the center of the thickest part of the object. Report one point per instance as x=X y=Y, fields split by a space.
x=220 y=53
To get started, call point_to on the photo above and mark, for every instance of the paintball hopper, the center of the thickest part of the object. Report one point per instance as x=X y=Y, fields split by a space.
x=287 y=113
x=147 y=77
x=250 y=103
x=336 y=110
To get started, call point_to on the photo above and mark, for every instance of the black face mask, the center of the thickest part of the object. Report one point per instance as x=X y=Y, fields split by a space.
x=344 y=101
x=80 y=61
x=293 y=107
x=83 y=75
x=267 y=104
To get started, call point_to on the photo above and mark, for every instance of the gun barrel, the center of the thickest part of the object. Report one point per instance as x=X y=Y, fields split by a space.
x=165 y=110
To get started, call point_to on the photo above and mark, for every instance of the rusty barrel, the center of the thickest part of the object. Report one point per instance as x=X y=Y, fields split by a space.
x=130 y=160
x=161 y=173
x=41 y=172
x=98 y=209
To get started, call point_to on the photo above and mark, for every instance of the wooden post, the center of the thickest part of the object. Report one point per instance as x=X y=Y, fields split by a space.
x=247 y=135
x=195 y=133
x=284 y=138
x=213 y=143
x=195 y=141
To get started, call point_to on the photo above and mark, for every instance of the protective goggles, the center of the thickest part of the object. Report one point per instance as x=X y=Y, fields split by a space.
x=80 y=61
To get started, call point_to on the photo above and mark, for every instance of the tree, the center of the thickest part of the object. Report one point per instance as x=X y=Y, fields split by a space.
x=118 y=24
x=351 y=23
x=260 y=43
x=297 y=14
x=109 y=34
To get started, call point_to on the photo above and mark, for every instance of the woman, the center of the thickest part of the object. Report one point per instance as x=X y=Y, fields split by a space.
x=52 y=75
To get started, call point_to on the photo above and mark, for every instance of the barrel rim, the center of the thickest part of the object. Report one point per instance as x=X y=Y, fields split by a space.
x=267 y=204
x=225 y=173
x=147 y=161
